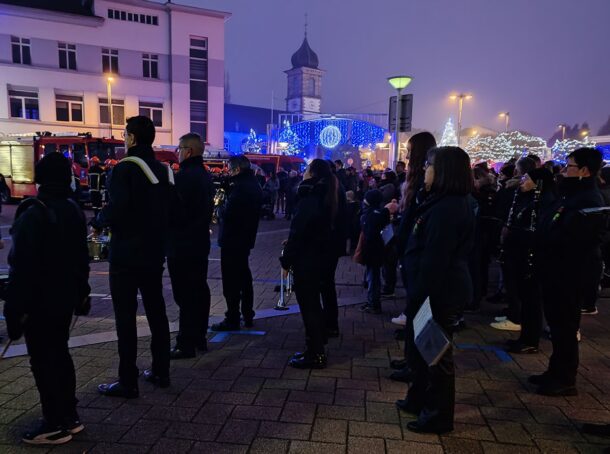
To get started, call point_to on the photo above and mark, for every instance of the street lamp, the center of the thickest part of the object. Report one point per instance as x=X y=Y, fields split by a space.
x=506 y=116
x=585 y=133
x=109 y=80
x=398 y=83
x=563 y=131
x=460 y=98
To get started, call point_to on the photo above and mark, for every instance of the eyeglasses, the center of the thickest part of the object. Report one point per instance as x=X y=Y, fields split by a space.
x=570 y=165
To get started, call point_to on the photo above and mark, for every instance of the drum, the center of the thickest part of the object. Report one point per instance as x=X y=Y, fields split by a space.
x=98 y=248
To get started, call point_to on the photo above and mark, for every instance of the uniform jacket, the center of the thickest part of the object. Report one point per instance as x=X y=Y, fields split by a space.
x=309 y=241
x=372 y=222
x=137 y=214
x=240 y=214
x=436 y=259
x=191 y=210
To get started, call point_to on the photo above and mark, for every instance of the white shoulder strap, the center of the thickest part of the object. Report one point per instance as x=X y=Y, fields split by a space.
x=170 y=175
x=142 y=164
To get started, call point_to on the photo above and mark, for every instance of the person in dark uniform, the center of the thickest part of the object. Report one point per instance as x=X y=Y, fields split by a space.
x=436 y=267
x=96 y=184
x=189 y=246
x=49 y=249
x=306 y=253
x=238 y=222
x=568 y=246
x=138 y=216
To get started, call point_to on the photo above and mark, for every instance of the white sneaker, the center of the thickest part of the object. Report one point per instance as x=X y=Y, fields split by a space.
x=501 y=318
x=400 y=320
x=506 y=325
x=578 y=336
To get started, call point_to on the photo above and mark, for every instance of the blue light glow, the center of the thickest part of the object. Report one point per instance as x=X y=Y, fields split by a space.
x=330 y=137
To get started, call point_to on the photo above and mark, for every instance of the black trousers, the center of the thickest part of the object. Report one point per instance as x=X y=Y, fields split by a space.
x=307 y=291
x=328 y=291
x=389 y=269
x=237 y=284
x=531 y=310
x=189 y=276
x=562 y=313
x=511 y=284
x=124 y=286
x=46 y=338
x=433 y=388
x=592 y=276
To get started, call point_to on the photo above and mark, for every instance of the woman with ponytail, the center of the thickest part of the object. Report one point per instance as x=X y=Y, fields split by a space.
x=305 y=252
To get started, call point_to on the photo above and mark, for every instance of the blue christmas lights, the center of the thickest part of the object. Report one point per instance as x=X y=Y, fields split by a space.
x=330 y=137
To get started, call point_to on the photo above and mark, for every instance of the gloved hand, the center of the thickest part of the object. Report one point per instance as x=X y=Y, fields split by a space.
x=14 y=325
x=84 y=307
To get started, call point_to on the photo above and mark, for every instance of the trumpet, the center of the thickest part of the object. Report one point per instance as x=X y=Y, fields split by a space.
x=219 y=200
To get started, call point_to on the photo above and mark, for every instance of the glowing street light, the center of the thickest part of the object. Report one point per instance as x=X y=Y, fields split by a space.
x=109 y=80
x=506 y=116
x=399 y=83
x=563 y=131
x=460 y=99
x=585 y=133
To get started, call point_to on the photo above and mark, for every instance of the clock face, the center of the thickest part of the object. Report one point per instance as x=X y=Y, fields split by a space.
x=312 y=105
x=294 y=105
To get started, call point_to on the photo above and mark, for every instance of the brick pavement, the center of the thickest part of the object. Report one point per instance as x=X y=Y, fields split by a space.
x=242 y=398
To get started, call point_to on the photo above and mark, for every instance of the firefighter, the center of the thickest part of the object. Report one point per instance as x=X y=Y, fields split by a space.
x=96 y=179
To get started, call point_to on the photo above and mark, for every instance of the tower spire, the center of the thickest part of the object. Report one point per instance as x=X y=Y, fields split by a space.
x=305 y=25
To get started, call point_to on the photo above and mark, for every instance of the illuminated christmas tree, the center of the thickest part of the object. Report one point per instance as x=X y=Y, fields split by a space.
x=449 y=138
x=562 y=148
x=505 y=146
x=287 y=135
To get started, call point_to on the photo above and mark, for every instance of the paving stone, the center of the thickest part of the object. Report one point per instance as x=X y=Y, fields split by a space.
x=381 y=412
x=145 y=432
x=219 y=448
x=312 y=447
x=248 y=384
x=284 y=430
x=268 y=446
x=299 y=412
x=510 y=432
x=402 y=447
x=232 y=398
x=359 y=445
x=473 y=431
x=329 y=430
x=193 y=431
x=545 y=414
x=119 y=448
x=311 y=397
x=256 y=412
x=127 y=414
x=332 y=412
x=369 y=385
x=171 y=446
x=496 y=448
x=350 y=397
x=369 y=429
x=103 y=432
x=271 y=397
x=549 y=432
x=321 y=384
x=214 y=413
x=238 y=431
x=461 y=446
x=276 y=383
x=190 y=398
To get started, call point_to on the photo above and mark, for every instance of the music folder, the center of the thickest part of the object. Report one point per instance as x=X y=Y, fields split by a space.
x=430 y=338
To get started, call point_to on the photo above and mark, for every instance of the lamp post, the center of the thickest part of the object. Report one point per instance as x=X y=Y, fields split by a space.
x=585 y=134
x=563 y=131
x=398 y=83
x=109 y=81
x=506 y=116
x=460 y=98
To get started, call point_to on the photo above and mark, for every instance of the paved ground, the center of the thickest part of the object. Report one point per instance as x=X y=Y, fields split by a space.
x=241 y=397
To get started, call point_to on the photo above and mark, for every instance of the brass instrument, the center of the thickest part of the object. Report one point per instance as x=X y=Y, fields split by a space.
x=285 y=289
x=509 y=223
x=219 y=200
x=99 y=247
x=532 y=228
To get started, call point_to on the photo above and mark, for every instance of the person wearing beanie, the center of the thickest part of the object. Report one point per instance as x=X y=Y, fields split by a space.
x=374 y=218
x=49 y=247
x=536 y=191
x=568 y=255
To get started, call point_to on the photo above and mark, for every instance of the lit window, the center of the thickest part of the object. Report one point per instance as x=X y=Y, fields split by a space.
x=118 y=111
x=69 y=108
x=24 y=104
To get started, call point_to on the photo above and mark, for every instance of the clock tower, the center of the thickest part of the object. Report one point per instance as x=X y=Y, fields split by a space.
x=304 y=81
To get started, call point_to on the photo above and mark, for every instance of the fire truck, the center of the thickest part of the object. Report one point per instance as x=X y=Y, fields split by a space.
x=273 y=163
x=19 y=153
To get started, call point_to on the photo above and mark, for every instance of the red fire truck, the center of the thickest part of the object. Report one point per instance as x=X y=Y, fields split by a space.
x=273 y=163
x=20 y=153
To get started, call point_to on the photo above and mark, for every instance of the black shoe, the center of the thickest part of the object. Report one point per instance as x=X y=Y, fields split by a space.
x=429 y=428
x=408 y=407
x=554 y=389
x=520 y=348
x=203 y=346
x=404 y=375
x=179 y=353
x=372 y=310
x=309 y=361
x=512 y=342
x=161 y=382
x=73 y=425
x=47 y=434
x=365 y=306
x=248 y=323
x=388 y=293
x=298 y=355
x=540 y=379
x=589 y=311
x=497 y=298
x=398 y=364
x=600 y=430
x=332 y=332
x=117 y=389
x=225 y=325
x=400 y=334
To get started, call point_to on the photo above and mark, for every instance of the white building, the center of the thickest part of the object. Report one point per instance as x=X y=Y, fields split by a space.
x=166 y=61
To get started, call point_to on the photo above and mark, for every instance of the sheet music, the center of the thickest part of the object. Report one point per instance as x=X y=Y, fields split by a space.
x=424 y=315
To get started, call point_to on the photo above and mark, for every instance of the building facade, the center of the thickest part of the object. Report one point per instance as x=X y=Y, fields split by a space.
x=60 y=64
x=304 y=81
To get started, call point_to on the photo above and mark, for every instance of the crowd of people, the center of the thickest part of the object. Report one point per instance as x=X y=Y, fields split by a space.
x=439 y=222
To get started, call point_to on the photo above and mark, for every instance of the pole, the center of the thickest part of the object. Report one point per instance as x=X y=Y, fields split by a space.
x=395 y=157
x=459 y=131
x=563 y=132
x=507 y=120
x=109 y=89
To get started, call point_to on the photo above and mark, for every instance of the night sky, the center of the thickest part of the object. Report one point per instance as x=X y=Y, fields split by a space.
x=545 y=61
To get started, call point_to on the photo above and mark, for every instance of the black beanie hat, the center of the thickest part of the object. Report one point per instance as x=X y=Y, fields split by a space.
x=542 y=174
x=53 y=169
x=374 y=197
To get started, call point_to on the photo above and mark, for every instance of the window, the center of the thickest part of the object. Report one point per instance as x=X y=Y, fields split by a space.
x=130 y=17
x=21 y=50
x=123 y=15
x=198 y=70
x=149 y=20
x=67 y=56
x=142 y=18
x=110 y=61
x=118 y=111
x=152 y=110
x=110 y=14
x=117 y=14
x=150 y=66
x=155 y=20
x=69 y=108
x=24 y=104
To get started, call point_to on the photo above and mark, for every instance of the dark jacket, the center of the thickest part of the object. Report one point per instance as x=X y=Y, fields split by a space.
x=340 y=228
x=407 y=219
x=48 y=260
x=565 y=238
x=137 y=214
x=239 y=216
x=389 y=191
x=436 y=260
x=372 y=222
x=191 y=211
x=309 y=240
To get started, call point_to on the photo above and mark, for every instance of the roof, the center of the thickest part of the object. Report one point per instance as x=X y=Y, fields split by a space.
x=304 y=57
x=240 y=118
x=79 y=7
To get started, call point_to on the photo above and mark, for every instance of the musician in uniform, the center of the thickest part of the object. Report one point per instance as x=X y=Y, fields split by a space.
x=96 y=184
x=49 y=272
x=138 y=216
x=238 y=221
x=189 y=246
